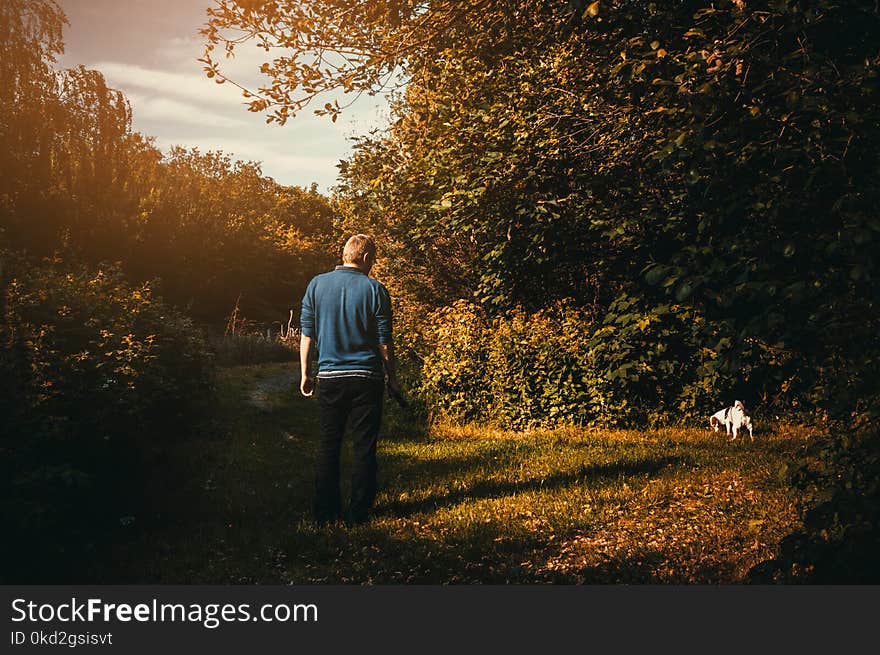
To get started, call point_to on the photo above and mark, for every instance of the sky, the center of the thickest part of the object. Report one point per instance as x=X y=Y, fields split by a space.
x=148 y=50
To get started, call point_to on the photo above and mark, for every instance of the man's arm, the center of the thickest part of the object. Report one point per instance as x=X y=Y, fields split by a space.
x=305 y=351
x=307 y=331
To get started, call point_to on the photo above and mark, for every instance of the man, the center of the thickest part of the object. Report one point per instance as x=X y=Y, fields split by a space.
x=347 y=315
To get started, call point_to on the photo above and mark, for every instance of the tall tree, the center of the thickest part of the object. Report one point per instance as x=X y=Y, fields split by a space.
x=30 y=41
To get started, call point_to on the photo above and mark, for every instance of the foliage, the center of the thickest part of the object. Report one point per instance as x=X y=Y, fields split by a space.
x=455 y=374
x=225 y=231
x=540 y=373
x=99 y=372
x=95 y=372
x=717 y=156
x=350 y=45
x=517 y=370
x=119 y=345
x=655 y=366
x=559 y=366
x=839 y=540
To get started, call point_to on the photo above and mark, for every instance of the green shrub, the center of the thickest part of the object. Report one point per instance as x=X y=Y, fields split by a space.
x=658 y=364
x=518 y=370
x=454 y=369
x=96 y=354
x=539 y=367
x=641 y=365
x=95 y=371
x=839 y=541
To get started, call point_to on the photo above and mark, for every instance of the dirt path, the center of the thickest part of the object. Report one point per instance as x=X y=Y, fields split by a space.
x=266 y=391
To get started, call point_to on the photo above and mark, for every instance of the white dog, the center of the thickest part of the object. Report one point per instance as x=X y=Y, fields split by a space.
x=732 y=418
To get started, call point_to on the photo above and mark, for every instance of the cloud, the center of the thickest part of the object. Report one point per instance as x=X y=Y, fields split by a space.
x=181 y=52
x=190 y=86
x=174 y=101
x=142 y=84
x=168 y=110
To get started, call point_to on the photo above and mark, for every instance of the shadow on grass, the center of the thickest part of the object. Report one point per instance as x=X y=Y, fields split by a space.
x=412 y=470
x=380 y=553
x=485 y=489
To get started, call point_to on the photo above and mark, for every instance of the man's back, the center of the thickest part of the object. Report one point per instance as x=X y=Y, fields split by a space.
x=349 y=316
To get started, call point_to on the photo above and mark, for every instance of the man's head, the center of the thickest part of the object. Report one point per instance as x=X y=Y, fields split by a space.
x=360 y=251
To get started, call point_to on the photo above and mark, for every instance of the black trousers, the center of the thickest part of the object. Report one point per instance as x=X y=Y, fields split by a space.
x=358 y=402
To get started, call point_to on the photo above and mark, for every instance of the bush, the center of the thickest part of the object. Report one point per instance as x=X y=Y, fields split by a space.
x=95 y=370
x=656 y=364
x=539 y=367
x=840 y=538
x=454 y=381
x=97 y=355
x=517 y=370
x=641 y=365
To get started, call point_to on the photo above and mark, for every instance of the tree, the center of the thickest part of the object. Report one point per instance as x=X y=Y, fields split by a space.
x=223 y=231
x=30 y=33
x=354 y=46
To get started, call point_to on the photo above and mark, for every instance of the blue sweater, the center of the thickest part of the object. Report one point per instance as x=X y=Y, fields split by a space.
x=348 y=314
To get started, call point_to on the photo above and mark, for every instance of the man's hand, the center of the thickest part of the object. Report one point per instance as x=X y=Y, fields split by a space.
x=306 y=386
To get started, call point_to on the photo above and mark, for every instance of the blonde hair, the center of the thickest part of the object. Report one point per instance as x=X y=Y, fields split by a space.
x=357 y=248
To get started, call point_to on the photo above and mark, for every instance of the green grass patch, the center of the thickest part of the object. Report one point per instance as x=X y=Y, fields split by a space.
x=457 y=505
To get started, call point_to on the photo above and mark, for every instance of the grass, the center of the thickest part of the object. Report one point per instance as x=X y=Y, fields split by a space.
x=251 y=348
x=457 y=505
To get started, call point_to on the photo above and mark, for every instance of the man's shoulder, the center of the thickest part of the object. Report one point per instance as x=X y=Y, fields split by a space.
x=320 y=277
x=336 y=276
x=379 y=288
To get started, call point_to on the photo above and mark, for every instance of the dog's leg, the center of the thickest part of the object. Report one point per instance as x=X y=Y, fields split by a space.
x=734 y=433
